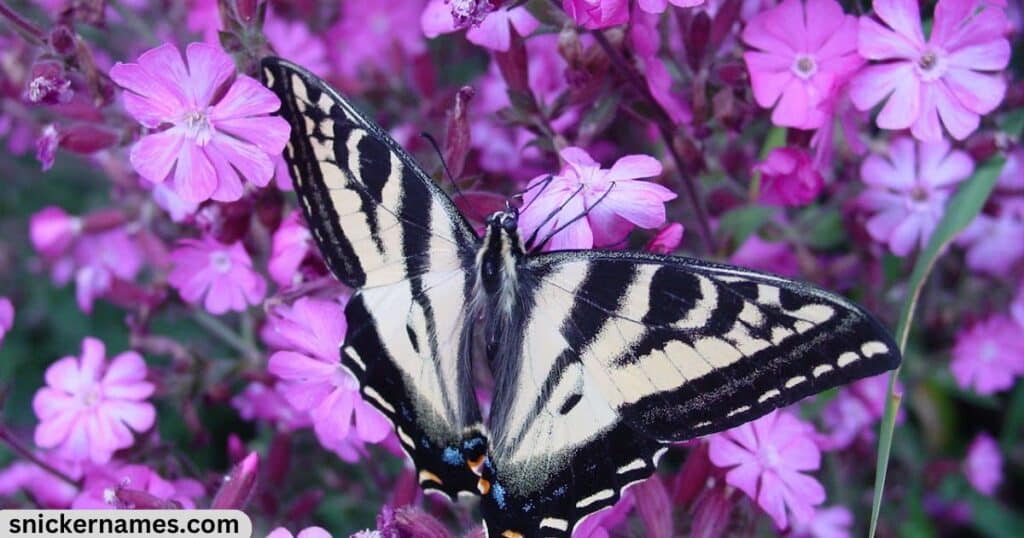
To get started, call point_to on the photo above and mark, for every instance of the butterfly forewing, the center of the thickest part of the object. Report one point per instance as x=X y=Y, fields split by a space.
x=386 y=230
x=625 y=353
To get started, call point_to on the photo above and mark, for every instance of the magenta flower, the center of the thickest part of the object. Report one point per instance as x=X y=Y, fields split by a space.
x=908 y=190
x=766 y=459
x=6 y=317
x=989 y=355
x=983 y=465
x=373 y=46
x=292 y=40
x=101 y=259
x=774 y=257
x=258 y=401
x=659 y=6
x=44 y=487
x=218 y=125
x=993 y=240
x=953 y=75
x=854 y=410
x=597 y=14
x=103 y=484
x=311 y=375
x=831 y=522
x=221 y=273
x=646 y=42
x=602 y=523
x=789 y=177
x=88 y=408
x=308 y=532
x=52 y=231
x=494 y=32
x=803 y=54
x=667 y=240
x=613 y=201
x=291 y=243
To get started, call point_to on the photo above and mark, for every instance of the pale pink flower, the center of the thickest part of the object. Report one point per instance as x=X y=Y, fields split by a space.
x=988 y=356
x=667 y=240
x=293 y=41
x=831 y=522
x=258 y=401
x=908 y=190
x=789 y=177
x=611 y=200
x=766 y=459
x=601 y=524
x=646 y=42
x=983 y=465
x=803 y=54
x=204 y=18
x=222 y=273
x=6 y=317
x=44 y=487
x=88 y=408
x=659 y=6
x=99 y=492
x=993 y=241
x=176 y=207
x=494 y=32
x=774 y=257
x=379 y=37
x=312 y=377
x=953 y=75
x=308 y=532
x=101 y=259
x=218 y=127
x=290 y=245
x=855 y=410
x=597 y=14
x=52 y=230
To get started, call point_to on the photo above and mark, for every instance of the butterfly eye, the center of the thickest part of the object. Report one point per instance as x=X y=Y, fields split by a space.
x=509 y=223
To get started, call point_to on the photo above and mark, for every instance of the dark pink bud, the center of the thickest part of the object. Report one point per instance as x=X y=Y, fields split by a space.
x=47 y=84
x=789 y=177
x=236 y=449
x=410 y=521
x=667 y=240
x=62 y=40
x=52 y=231
x=128 y=498
x=655 y=507
x=104 y=220
x=406 y=490
x=712 y=511
x=238 y=484
x=305 y=505
x=693 y=477
x=732 y=74
x=279 y=458
x=457 y=136
x=46 y=146
x=513 y=66
x=87 y=138
x=725 y=20
x=269 y=207
x=247 y=9
x=697 y=39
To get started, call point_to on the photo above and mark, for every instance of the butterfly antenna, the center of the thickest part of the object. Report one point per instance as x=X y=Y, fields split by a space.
x=440 y=156
x=543 y=186
x=557 y=210
x=584 y=213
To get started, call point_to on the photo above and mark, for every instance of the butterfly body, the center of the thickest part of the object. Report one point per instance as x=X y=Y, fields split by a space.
x=599 y=359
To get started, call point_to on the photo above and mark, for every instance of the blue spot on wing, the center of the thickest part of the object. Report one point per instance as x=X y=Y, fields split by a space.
x=452 y=457
x=498 y=492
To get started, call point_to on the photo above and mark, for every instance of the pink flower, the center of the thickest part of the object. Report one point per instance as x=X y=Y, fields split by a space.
x=988 y=356
x=597 y=14
x=908 y=190
x=804 y=53
x=766 y=459
x=46 y=489
x=953 y=75
x=602 y=523
x=789 y=177
x=6 y=317
x=293 y=41
x=102 y=485
x=854 y=410
x=984 y=464
x=831 y=522
x=774 y=257
x=493 y=32
x=221 y=273
x=659 y=6
x=612 y=200
x=373 y=46
x=258 y=401
x=220 y=130
x=101 y=259
x=308 y=532
x=993 y=241
x=291 y=243
x=667 y=240
x=89 y=408
x=312 y=377
x=646 y=41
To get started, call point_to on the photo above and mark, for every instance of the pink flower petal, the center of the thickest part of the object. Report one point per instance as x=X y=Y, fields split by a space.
x=876 y=42
x=154 y=155
x=904 y=104
x=960 y=121
x=139 y=416
x=125 y=368
x=195 y=179
x=980 y=93
x=209 y=68
x=269 y=133
x=876 y=82
x=635 y=167
x=903 y=16
x=246 y=97
x=989 y=56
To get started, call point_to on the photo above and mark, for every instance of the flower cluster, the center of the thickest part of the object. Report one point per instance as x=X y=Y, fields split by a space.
x=804 y=138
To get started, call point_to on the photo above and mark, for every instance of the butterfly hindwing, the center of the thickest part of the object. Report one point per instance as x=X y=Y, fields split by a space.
x=386 y=230
x=625 y=353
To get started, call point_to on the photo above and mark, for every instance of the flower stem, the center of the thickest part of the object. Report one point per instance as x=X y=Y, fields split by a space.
x=32 y=33
x=134 y=21
x=665 y=128
x=11 y=441
x=217 y=328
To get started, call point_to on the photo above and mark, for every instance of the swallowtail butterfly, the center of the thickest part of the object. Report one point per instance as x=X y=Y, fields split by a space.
x=600 y=359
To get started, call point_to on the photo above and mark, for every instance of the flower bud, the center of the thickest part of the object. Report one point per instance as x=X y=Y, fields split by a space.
x=48 y=84
x=279 y=458
x=136 y=499
x=712 y=511
x=87 y=138
x=457 y=135
x=667 y=240
x=46 y=146
x=247 y=9
x=52 y=230
x=789 y=177
x=238 y=484
x=694 y=475
x=410 y=521
x=62 y=40
x=654 y=506
x=513 y=64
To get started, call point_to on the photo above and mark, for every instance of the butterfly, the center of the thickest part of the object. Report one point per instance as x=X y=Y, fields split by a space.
x=600 y=360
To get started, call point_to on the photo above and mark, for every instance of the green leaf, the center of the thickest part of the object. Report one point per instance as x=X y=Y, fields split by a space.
x=825 y=230
x=1013 y=123
x=962 y=209
x=992 y=518
x=600 y=116
x=1013 y=423
x=740 y=223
